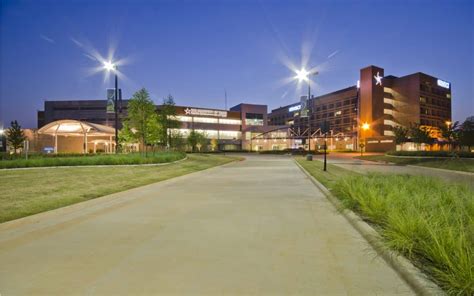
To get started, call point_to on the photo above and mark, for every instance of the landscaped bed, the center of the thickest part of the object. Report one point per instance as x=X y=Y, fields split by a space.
x=27 y=192
x=429 y=221
x=82 y=160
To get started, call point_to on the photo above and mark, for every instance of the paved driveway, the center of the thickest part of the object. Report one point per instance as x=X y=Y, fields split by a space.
x=256 y=227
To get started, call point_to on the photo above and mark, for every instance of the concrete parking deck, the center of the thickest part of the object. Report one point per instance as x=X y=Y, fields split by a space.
x=256 y=227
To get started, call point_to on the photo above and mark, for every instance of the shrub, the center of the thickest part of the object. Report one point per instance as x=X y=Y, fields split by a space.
x=427 y=220
x=106 y=159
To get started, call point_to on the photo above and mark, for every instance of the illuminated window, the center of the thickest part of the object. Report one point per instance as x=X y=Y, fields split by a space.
x=253 y=119
x=230 y=121
x=338 y=113
x=205 y=119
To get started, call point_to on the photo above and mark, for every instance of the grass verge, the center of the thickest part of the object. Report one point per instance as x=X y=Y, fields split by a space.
x=106 y=159
x=455 y=164
x=27 y=192
x=429 y=221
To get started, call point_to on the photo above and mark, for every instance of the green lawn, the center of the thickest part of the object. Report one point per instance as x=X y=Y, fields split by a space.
x=430 y=221
x=27 y=192
x=455 y=164
x=94 y=159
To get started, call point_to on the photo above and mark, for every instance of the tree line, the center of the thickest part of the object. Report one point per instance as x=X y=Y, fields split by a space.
x=455 y=135
x=152 y=128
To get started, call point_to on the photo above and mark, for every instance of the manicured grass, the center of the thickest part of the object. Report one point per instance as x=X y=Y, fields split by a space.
x=429 y=221
x=27 y=192
x=106 y=159
x=455 y=164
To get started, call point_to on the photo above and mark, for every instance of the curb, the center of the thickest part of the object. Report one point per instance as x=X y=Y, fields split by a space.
x=105 y=200
x=96 y=166
x=417 y=280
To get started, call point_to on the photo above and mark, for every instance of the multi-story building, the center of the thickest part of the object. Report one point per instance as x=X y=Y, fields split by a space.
x=94 y=111
x=233 y=129
x=378 y=102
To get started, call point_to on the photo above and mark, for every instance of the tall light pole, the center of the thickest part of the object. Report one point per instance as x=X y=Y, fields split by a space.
x=303 y=75
x=109 y=66
x=365 y=127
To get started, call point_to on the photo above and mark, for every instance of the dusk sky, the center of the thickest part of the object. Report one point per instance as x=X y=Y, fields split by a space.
x=195 y=50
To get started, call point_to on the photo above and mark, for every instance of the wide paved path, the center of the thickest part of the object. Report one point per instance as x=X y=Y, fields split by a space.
x=255 y=227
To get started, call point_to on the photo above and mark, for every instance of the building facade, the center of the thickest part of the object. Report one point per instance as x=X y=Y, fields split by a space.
x=234 y=129
x=378 y=102
x=94 y=111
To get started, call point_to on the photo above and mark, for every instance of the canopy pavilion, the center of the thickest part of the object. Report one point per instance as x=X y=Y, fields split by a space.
x=80 y=136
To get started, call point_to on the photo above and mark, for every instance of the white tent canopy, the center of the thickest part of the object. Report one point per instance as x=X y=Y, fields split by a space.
x=70 y=127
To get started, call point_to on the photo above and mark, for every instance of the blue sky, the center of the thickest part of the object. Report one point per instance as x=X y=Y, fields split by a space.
x=195 y=50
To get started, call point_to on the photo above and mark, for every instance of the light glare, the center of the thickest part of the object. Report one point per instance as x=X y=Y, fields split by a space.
x=109 y=66
x=302 y=75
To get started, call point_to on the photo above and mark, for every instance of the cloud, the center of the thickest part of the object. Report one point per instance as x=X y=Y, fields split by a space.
x=46 y=38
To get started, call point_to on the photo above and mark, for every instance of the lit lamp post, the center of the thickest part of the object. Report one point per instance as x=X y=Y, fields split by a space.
x=365 y=127
x=109 y=66
x=303 y=75
x=2 y=146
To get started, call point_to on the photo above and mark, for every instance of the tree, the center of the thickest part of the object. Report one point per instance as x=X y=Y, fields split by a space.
x=449 y=133
x=177 y=141
x=401 y=134
x=167 y=120
x=466 y=134
x=15 y=136
x=420 y=134
x=142 y=118
x=196 y=140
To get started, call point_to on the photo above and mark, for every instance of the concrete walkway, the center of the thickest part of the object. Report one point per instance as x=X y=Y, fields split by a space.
x=256 y=227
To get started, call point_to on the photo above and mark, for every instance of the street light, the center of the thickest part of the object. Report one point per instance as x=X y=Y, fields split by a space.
x=110 y=66
x=365 y=126
x=303 y=75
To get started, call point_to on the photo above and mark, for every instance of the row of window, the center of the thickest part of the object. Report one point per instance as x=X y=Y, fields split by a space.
x=436 y=123
x=434 y=112
x=435 y=102
x=208 y=120
x=337 y=104
x=435 y=90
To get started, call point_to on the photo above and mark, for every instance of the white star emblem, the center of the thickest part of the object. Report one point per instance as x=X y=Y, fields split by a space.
x=187 y=111
x=378 y=79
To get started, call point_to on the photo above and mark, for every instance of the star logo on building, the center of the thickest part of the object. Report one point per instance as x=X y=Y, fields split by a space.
x=187 y=111
x=378 y=79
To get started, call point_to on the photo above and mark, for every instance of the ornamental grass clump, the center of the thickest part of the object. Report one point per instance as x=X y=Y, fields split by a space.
x=429 y=221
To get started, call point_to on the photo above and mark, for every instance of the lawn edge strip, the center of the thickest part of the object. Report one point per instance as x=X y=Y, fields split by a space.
x=416 y=279
x=96 y=201
x=96 y=166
